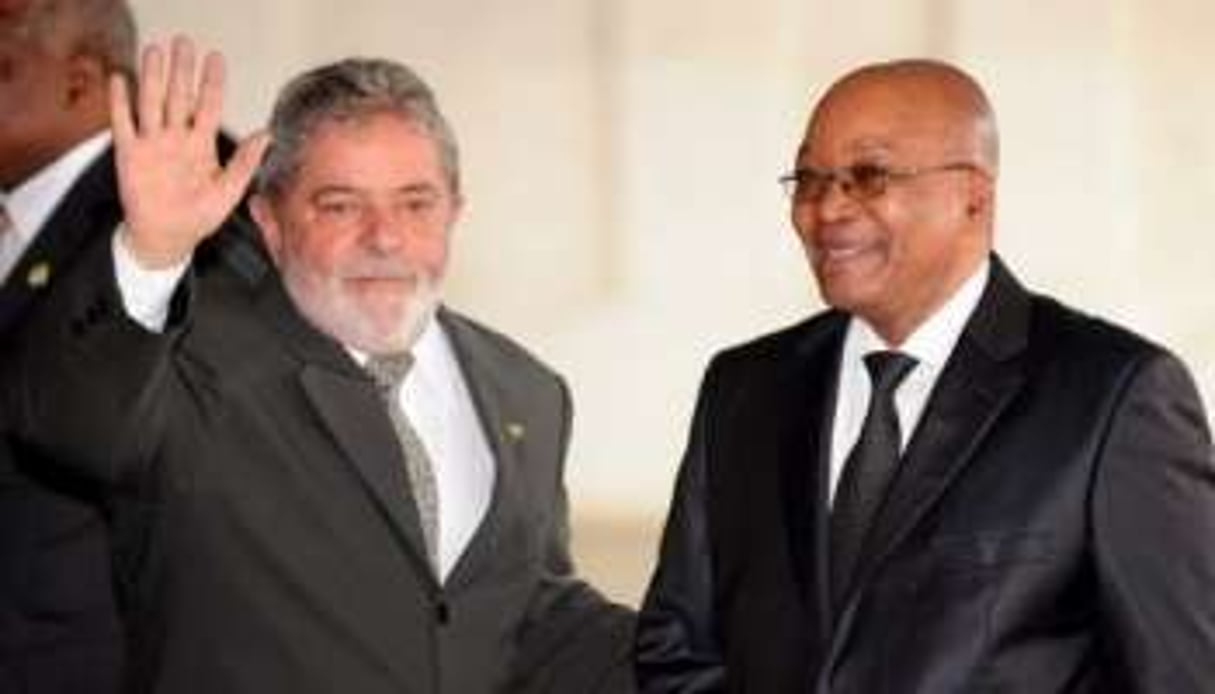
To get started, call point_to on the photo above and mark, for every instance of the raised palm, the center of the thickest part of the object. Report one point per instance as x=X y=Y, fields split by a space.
x=174 y=191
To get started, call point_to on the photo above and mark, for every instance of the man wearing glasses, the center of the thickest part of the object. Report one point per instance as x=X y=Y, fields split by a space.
x=944 y=483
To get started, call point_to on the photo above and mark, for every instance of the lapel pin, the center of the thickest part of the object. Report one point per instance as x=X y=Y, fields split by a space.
x=39 y=274
x=515 y=431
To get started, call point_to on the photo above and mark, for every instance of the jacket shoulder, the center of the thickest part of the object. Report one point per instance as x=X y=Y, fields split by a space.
x=802 y=337
x=1086 y=358
x=1076 y=336
x=493 y=348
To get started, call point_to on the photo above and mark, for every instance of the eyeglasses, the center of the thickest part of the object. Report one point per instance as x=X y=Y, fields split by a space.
x=859 y=181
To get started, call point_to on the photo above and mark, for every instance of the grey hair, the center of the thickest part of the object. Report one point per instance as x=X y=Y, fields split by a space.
x=348 y=90
x=103 y=29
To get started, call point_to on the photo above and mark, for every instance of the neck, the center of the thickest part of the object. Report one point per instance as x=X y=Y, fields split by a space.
x=38 y=157
x=897 y=324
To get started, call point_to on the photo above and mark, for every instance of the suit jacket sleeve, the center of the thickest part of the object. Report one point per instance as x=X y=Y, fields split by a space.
x=677 y=646
x=572 y=637
x=1153 y=518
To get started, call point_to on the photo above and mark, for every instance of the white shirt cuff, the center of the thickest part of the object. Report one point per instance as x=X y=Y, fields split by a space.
x=146 y=294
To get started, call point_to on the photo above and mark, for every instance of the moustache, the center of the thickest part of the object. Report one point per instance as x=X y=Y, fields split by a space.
x=383 y=270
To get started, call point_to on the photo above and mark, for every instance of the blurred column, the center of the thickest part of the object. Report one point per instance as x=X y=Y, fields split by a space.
x=1174 y=146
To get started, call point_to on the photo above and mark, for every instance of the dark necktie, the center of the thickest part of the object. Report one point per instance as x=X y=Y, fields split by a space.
x=870 y=466
x=389 y=371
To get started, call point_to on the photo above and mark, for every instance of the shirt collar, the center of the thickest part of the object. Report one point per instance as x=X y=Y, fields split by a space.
x=430 y=348
x=32 y=203
x=933 y=341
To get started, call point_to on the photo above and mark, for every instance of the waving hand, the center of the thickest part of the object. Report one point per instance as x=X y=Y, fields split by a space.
x=174 y=191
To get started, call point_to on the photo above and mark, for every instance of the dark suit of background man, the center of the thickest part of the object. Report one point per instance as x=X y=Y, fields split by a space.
x=267 y=534
x=58 y=630
x=1032 y=511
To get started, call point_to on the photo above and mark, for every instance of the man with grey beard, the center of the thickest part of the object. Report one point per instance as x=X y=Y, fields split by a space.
x=323 y=479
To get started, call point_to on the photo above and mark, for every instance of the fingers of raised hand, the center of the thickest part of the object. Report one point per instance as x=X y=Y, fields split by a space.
x=243 y=165
x=210 y=94
x=173 y=190
x=168 y=99
x=151 y=91
x=179 y=98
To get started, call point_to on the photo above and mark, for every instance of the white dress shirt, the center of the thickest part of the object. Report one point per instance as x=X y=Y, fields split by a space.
x=931 y=344
x=435 y=397
x=32 y=202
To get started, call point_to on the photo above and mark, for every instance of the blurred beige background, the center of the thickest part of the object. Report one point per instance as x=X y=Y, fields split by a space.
x=621 y=160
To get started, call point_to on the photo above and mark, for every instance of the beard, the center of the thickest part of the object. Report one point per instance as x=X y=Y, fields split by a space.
x=333 y=304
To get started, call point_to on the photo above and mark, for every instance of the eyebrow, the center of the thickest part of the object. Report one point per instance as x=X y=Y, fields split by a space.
x=333 y=189
x=418 y=188
x=341 y=189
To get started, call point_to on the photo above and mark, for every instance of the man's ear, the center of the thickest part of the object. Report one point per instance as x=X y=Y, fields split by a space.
x=980 y=196
x=264 y=214
x=86 y=81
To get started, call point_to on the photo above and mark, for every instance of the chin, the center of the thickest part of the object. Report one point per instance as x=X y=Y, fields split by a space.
x=851 y=287
x=380 y=344
x=845 y=296
x=373 y=323
x=394 y=329
x=379 y=334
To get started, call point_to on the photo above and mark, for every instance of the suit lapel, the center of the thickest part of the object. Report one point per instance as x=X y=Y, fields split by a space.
x=357 y=420
x=345 y=400
x=807 y=411
x=89 y=210
x=981 y=377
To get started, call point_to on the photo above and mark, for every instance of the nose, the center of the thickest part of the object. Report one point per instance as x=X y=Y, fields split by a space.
x=384 y=232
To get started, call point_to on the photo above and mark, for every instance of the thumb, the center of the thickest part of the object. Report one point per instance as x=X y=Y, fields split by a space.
x=235 y=178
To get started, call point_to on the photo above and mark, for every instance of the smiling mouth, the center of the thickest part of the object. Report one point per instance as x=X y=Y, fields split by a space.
x=842 y=253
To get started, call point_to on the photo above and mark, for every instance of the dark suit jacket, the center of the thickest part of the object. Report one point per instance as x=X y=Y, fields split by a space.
x=58 y=630
x=1051 y=528
x=266 y=540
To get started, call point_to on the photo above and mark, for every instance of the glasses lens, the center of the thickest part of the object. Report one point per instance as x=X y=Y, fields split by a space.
x=812 y=185
x=789 y=182
x=868 y=180
x=802 y=184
